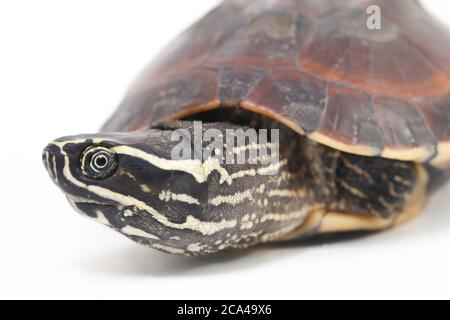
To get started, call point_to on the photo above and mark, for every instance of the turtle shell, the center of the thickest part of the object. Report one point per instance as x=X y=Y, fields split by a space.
x=315 y=66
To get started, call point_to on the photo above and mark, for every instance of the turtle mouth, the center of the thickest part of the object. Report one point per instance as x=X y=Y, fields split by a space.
x=105 y=213
x=73 y=199
x=111 y=214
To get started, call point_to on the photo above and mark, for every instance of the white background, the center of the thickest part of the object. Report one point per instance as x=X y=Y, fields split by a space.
x=64 y=66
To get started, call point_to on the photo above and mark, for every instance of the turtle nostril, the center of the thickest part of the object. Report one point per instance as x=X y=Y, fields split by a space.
x=44 y=156
x=48 y=159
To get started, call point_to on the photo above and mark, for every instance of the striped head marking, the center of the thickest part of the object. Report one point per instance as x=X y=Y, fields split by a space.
x=129 y=182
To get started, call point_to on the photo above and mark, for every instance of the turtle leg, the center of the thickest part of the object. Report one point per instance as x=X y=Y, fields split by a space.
x=370 y=194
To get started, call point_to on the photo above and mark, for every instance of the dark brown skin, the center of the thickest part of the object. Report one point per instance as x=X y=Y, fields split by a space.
x=316 y=67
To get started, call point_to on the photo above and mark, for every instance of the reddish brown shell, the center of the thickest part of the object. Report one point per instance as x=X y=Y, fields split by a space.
x=315 y=66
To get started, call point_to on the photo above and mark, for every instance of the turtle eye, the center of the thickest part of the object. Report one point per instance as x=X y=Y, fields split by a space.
x=98 y=162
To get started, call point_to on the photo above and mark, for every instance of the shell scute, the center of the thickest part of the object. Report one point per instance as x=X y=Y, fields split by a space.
x=350 y=120
x=268 y=41
x=295 y=97
x=236 y=83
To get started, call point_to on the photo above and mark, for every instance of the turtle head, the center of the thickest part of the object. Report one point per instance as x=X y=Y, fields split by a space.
x=156 y=188
x=129 y=182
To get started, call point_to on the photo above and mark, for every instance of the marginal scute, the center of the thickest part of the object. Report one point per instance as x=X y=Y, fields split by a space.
x=235 y=83
x=404 y=130
x=298 y=98
x=437 y=117
x=349 y=118
x=196 y=89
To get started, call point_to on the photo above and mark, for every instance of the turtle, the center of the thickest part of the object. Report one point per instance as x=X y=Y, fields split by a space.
x=358 y=120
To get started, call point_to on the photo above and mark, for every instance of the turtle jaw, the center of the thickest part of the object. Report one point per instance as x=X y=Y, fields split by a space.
x=104 y=213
